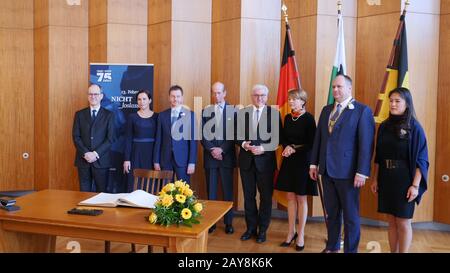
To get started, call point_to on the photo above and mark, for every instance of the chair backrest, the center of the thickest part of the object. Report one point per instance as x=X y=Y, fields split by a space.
x=150 y=180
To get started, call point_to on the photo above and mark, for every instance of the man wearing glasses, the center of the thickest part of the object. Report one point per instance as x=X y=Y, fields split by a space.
x=93 y=134
x=258 y=132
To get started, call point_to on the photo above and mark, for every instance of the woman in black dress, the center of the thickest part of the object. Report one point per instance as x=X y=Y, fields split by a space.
x=402 y=163
x=297 y=140
x=140 y=137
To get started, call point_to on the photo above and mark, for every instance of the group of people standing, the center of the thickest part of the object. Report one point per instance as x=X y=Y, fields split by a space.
x=338 y=151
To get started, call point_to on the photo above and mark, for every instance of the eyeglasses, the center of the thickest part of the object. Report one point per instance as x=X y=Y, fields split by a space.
x=259 y=96
x=94 y=94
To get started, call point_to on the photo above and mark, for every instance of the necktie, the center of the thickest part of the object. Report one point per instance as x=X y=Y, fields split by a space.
x=94 y=115
x=334 y=117
x=255 y=120
x=174 y=117
x=218 y=112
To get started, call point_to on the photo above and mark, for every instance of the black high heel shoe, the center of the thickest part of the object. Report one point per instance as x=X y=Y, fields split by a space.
x=299 y=248
x=286 y=244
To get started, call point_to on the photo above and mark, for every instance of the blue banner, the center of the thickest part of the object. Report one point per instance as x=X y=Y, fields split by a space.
x=120 y=84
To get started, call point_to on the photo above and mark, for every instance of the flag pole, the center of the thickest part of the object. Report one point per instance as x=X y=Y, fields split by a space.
x=288 y=30
x=391 y=59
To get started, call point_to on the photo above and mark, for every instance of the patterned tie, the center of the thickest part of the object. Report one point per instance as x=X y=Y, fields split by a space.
x=334 y=117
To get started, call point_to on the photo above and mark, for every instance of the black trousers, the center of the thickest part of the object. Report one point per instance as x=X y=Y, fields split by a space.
x=253 y=179
x=212 y=181
x=97 y=175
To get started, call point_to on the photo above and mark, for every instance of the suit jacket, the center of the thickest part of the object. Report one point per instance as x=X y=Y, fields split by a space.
x=91 y=136
x=224 y=142
x=348 y=149
x=184 y=148
x=269 y=123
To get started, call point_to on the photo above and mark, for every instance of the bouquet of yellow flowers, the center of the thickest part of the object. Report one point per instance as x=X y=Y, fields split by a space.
x=176 y=205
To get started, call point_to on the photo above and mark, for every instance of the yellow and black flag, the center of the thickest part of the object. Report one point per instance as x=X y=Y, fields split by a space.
x=396 y=71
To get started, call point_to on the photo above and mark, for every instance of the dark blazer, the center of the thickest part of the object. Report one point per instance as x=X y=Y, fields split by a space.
x=97 y=136
x=267 y=161
x=348 y=149
x=184 y=150
x=224 y=142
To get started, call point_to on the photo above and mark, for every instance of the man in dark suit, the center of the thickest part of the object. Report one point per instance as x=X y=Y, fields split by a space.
x=219 y=156
x=258 y=131
x=175 y=145
x=93 y=134
x=342 y=152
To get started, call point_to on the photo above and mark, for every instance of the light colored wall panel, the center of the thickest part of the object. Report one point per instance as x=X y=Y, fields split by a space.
x=387 y=6
x=126 y=43
x=260 y=57
x=128 y=12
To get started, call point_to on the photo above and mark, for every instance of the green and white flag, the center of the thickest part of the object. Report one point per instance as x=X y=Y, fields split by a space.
x=339 y=66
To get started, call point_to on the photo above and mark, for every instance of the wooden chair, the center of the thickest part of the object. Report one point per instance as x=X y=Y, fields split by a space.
x=152 y=182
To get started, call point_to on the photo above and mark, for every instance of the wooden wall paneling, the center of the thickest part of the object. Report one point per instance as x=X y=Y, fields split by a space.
x=442 y=189
x=16 y=96
x=423 y=36
x=389 y=6
x=225 y=60
x=303 y=23
x=159 y=11
x=16 y=108
x=375 y=36
x=127 y=43
x=41 y=115
x=67 y=43
x=376 y=31
x=445 y=7
x=260 y=57
x=191 y=64
x=98 y=40
x=118 y=31
x=225 y=56
x=62 y=46
x=225 y=10
x=16 y=14
x=325 y=27
x=179 y=44
x=159 y=52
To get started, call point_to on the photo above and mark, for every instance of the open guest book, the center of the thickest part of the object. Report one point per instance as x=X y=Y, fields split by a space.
x=138 y=199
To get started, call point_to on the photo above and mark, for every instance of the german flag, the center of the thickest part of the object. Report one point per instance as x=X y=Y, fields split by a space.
x=396 y=72
x=289 y=80
x=289 y=76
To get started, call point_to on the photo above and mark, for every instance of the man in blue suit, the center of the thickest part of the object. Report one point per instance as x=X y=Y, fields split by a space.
x=341 y=154
x=219 y=158
x=175 y=145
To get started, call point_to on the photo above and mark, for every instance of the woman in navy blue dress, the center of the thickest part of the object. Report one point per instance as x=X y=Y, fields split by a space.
x=402 y=162
x=140 y=137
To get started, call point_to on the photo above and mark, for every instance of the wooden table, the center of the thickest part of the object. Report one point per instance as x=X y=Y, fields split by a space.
x=43 y=216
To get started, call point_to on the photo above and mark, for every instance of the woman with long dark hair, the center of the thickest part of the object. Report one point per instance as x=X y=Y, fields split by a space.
x=401 y=165
x=140 y=137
